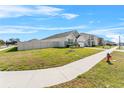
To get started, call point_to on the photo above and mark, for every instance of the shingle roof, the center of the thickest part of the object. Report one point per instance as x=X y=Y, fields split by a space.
x=84 y=34
x=89 y=35
x=63 y=35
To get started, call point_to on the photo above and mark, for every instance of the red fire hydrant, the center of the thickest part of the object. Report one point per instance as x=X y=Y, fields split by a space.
x=108 y=58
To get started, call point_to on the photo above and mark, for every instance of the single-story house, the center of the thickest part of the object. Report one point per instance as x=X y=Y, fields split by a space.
x=121 y=44
x=110 y=43
x=65 y=39
x=101 y=41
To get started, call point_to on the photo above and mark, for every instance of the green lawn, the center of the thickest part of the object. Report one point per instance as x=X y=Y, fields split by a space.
x=12 y=60
x=105 y=47
x=103 y=75
x=121 y=48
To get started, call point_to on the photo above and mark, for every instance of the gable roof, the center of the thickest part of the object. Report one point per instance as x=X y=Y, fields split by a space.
x=86 y=34
x=74 y=32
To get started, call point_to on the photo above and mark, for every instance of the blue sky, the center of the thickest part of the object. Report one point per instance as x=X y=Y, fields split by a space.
x=29 y=22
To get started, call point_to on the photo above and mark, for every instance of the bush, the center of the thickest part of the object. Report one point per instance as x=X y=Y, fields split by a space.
x=12 y=49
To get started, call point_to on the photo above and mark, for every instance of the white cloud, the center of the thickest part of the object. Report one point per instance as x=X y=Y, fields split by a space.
x=33 y=29
x=91 y=22
x=18 y=11
x=46 y=10
x=90 y=13
x=98 y=21
x=69 y=16
x=14 y=11
x=16 y=30
x=111 y=33
x=115 y=37
x=122 y=19
x=63 y=28
x=107 y=30
x=121 y=24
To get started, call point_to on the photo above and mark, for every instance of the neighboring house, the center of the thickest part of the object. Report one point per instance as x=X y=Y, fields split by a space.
x=122 y=44
x=65 y=39
x=94 y=40
x=87 y=40
x=110 y=43
x=101 y=41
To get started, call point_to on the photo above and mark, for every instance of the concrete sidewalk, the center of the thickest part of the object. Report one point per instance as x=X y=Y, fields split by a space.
x=119 y=50
x=51 y=76
x=6 y=48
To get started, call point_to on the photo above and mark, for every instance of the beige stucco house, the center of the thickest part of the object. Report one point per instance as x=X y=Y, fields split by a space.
x=65 y=39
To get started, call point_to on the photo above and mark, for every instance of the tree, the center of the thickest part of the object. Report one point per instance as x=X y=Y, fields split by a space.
x=17 y=39
x=12 y=41
x=2 y=42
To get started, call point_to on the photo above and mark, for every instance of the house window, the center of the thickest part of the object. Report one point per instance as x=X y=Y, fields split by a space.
x=70 y=41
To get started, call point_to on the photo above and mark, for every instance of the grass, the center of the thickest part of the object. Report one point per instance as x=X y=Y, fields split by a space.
x=102 y=75
x=105 y=47
x=13 y=60
x=14 y=49
x=121 y=48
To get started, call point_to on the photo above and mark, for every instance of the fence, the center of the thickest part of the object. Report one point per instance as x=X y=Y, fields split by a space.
x=39 y=44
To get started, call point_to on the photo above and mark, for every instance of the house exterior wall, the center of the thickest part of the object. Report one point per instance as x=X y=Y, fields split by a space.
x=96 y=42
x=48 y=43
x=20 y=45
x=40 y=44
x=82 y=44
x=88 y=40
x=72 y=37
x=70 y=40
x=83 y=40
x=101 y=41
